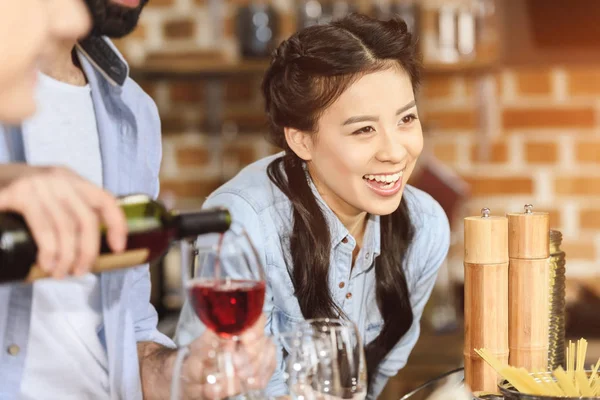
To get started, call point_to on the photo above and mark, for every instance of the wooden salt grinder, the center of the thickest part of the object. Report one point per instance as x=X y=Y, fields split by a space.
x=486 y=297
x=528 y=278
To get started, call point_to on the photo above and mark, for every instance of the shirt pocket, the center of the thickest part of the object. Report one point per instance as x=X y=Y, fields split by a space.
x=284 y=324
x=373 y=330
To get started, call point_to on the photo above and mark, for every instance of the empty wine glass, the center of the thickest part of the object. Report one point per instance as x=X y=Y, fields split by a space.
x=325 y=360
x=225 y=285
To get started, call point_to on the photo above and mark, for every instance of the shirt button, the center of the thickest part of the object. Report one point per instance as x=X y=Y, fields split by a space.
x=345 y=240
x=348 y=295
x=13 y=349
x=341 y=285
x=367 y=256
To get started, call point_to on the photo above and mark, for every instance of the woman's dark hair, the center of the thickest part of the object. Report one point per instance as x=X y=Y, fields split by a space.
x=308 y=72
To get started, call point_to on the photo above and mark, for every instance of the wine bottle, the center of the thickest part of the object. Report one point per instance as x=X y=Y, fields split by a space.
x=151 y=230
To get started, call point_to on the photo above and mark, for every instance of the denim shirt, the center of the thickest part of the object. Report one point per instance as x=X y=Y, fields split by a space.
x=266 y=213
x=130 y=146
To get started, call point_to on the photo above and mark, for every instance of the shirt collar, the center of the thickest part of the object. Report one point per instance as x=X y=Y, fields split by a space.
x=104 y=56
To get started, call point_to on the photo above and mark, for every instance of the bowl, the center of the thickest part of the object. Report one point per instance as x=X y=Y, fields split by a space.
x=510 y=393
x=450 y=379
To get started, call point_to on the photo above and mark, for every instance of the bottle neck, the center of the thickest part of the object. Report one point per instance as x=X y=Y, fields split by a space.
x=191 y=224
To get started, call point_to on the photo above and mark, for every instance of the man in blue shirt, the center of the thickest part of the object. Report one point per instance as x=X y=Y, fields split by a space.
x=93 y=336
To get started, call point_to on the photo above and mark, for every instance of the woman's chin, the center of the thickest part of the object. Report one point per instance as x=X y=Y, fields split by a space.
x=383 y=207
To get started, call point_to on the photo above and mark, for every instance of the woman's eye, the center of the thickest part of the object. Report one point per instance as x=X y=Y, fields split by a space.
x=407 y=119
x=366 y=129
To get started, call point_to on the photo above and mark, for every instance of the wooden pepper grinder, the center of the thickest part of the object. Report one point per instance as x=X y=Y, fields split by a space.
x=528 y=278
x=486 y=297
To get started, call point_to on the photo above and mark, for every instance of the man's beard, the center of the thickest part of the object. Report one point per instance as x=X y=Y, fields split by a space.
x=113 y=20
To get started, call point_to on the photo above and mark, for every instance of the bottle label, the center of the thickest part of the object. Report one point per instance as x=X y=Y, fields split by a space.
x=104 y=263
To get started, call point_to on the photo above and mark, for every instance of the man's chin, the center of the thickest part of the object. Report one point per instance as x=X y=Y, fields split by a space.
x=115 y=18
x=114 y=32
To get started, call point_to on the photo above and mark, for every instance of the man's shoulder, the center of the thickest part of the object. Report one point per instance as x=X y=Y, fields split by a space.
x=102 y=61
x=131 y=89
x=135 y=96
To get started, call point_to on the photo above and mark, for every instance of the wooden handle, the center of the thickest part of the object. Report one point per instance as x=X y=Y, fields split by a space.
x=486 y=297
x=529 y=235
x=528 y=293
x=104 y=263
x=486 y=240
x=480 y=375
x=486 y=322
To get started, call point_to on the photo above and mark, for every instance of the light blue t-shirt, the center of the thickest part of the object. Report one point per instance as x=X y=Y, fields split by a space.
x=266 y=214
x=66 y=315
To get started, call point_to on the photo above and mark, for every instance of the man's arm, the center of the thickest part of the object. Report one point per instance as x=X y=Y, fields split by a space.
x=253 y=356
x=156 y=368
x=157 y=363
x=156 y=352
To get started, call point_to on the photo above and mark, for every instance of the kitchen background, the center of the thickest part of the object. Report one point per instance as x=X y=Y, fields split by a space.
x=510 y=107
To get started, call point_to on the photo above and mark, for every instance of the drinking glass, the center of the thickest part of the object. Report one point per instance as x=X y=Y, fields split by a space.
x=325 y=360
x=225 y=285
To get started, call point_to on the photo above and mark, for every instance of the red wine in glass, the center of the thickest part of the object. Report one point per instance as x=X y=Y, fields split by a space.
x=227 y=307
x=225 y=285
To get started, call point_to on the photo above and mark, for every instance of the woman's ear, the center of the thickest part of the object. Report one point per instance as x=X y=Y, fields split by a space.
x=300 y=143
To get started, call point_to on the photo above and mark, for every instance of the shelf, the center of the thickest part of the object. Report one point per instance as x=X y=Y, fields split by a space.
x=186 y=68
x=472 y=67
x=194 y=68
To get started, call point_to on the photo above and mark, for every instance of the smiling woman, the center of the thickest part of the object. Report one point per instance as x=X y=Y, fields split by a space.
x=340 y=232
x=364 y=146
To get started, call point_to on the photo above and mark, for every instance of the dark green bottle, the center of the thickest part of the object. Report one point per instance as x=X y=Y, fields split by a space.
x=151 y=231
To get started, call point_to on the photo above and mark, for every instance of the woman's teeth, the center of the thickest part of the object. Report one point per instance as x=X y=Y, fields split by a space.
x=384 y=178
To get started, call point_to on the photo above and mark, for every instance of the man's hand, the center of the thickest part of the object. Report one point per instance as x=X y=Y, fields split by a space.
x=253 y=357
x=64 y=213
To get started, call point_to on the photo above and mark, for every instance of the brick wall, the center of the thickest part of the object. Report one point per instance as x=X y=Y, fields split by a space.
x=196 y=163
x=544 y=147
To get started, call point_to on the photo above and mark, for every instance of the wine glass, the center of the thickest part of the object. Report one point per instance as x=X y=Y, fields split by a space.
x=325 y=360
x=225 y=285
